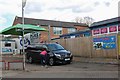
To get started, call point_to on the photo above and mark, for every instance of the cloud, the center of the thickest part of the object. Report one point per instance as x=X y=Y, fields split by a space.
x=75 y=8
x=82 y=9
x=8 y=7
x=62 y=8
x=32 y=7
x=65 y=10
x=96 y=3
x=107 y=4
x=2 y=20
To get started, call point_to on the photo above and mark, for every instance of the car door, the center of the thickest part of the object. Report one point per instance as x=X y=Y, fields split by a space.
x=37 y=51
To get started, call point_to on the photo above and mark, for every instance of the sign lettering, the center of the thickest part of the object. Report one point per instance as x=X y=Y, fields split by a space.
x=113 y=29
x=104 y=30
x=96 y=31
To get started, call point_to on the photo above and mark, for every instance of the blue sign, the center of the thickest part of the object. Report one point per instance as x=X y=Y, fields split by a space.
x=86 y=34
x=105 y=42
x=6 y=50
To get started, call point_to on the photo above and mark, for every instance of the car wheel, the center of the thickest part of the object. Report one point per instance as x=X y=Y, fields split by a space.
x=30 y=60
x=51 y=61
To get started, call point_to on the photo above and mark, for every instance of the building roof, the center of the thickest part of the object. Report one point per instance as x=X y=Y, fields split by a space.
x=43 y=22
x=106 y=22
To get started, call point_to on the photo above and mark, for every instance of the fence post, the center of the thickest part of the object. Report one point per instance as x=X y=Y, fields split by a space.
x=117 y=45
x=8 y=65
x=5 y=64
x=91 y=43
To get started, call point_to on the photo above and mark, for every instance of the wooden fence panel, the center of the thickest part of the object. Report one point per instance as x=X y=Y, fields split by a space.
x=118 y=45
x=78 y=46
x=83 y=46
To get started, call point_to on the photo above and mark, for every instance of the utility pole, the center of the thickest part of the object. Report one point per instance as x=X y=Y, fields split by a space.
x=23 y=5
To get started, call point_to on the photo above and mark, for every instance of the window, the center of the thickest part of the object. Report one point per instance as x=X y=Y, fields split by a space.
x=57 y=30
x=70 y=30
x=7 y=44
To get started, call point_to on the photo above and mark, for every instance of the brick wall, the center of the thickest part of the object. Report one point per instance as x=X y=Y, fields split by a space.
x=80 y=27
x=44 y=35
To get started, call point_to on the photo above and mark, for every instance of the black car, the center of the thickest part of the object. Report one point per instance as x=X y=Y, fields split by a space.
x=56 y=53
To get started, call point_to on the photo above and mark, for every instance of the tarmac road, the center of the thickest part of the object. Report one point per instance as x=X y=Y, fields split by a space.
x=74 y=70
x=67 y=74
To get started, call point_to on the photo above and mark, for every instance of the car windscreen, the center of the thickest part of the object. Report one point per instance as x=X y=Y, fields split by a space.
x=54 y=47
x=41 y=47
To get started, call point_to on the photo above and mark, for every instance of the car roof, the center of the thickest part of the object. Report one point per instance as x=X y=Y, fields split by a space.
x=42 y=43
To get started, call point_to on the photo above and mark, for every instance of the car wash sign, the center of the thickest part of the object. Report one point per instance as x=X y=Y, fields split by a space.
x=26 y=42
x=34 y=37
x=108 y=42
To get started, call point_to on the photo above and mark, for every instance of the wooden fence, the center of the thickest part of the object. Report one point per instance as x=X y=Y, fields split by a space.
x=83 y=46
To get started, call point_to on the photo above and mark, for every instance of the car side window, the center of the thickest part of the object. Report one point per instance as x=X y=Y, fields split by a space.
x=39 y=47
x=44 y=46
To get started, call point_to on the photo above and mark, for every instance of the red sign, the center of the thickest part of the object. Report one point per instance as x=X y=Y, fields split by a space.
x=104 y=30
x=118 y=27
x=113 y=29
x=97 y=31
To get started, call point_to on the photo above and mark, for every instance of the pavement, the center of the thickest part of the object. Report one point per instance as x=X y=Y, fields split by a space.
x=97 y=60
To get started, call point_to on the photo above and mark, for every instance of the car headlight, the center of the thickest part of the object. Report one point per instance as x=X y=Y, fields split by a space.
x=68 y=51
x=70 y=54
x=58 y=55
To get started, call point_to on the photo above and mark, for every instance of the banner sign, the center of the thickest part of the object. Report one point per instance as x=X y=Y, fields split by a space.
x=97 y=31
x=6 y=50
x=105 y=42
x=113 y=29
x=34 y=37
x=26 y=42
x=104 y=30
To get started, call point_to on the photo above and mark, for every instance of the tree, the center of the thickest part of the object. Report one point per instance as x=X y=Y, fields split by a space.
x=77 y=19
x=87 y=20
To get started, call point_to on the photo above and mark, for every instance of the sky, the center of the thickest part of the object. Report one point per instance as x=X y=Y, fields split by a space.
x=60 y=10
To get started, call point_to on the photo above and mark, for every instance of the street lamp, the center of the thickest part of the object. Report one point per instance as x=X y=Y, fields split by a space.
x=23 y=5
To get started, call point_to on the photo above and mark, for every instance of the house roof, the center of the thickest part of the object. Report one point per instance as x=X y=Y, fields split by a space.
x=43 y=22
x=106 y=22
